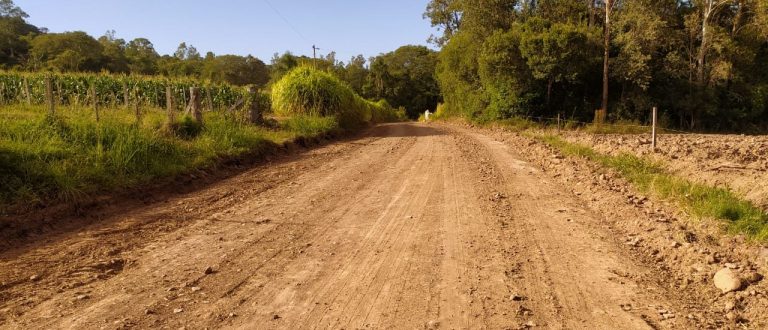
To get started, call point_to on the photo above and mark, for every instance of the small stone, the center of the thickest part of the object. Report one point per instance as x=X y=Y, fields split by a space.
x=82 y=297
x=433 y=324
x=530 y=324
x=34 y=278
x=276 y=317
x=178 y=310
x=195 y=288
x=149 y=312
x=232 y=315
x=516 y=297
x=729 y=306
x=753 y=277
x=763 y=255
x=727 y=281
x=730 y=265
x=711 y=259
x=208 y=271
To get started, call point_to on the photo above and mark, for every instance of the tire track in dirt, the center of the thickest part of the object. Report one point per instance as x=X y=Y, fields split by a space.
x=410 y=227
x=587 y=280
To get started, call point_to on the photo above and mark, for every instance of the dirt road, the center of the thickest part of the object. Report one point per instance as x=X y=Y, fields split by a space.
x=410 y=226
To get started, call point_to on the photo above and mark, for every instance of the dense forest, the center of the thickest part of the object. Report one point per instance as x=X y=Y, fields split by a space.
x=704 y=63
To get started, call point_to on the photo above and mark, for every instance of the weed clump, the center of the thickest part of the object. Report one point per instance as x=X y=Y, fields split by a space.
x=306 y=91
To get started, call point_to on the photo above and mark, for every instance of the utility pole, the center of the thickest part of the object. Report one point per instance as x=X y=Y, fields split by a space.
x=314 y=55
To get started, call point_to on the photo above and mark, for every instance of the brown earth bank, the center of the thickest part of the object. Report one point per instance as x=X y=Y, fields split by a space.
x=409 y=226
x=736 y=162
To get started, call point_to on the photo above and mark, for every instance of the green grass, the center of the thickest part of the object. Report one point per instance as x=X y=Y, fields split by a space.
x=72 y=156
x=309 y=92
x=311 y=126
x=739 y=215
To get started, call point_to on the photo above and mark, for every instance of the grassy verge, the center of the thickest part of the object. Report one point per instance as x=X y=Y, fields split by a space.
x=72 y=156
x=740 y=216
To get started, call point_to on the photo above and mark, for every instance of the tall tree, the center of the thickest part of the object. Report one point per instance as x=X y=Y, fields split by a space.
x=15 y=33
x=142 y=56
x=114 y=59
x=69 y=51
x=606 y=52
x=406 y=78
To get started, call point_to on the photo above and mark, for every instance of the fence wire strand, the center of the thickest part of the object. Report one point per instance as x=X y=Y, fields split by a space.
x=562 y=120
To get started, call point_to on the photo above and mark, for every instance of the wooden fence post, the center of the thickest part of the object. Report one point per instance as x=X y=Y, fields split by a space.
x=209 y=98
x=257 y=116
x=27 y=93
x=194 y=107
x=653 y=130
x=169 y=105
x=125 y=95
x=137 y=105
x=95 y=100
x=49 y=96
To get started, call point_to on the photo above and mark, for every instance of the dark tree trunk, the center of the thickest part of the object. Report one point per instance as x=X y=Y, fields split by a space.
x=606 y=54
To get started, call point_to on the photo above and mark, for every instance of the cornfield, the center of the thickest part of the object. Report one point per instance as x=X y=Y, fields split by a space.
x=112 y=90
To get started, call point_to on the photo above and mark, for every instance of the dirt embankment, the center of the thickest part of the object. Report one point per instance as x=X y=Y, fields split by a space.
x=410 y=226
x=737 y=162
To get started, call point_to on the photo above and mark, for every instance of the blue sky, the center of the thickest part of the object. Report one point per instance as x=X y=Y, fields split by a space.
x=242 y=27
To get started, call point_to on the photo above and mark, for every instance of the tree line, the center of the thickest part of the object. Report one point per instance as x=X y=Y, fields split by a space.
x=704 y=63
x=404 y=77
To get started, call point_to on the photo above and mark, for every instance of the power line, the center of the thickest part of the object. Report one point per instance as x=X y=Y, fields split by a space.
x=286 y=21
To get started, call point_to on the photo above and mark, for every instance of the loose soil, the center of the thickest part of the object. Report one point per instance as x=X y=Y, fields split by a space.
x=736 y=162
x=409 y=226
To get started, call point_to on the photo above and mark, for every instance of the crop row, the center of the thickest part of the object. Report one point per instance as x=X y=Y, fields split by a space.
x=111 y=90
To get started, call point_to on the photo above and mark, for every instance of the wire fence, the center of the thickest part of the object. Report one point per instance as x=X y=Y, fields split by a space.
x=563 y=122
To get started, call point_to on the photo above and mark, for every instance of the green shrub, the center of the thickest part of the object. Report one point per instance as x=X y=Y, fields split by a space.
x=309 y=92
x=310 y=126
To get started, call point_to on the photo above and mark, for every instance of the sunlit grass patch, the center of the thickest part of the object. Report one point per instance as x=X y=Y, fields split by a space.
x=740 y=215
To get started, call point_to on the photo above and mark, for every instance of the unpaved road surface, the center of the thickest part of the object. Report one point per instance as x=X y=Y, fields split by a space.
x=410 y=226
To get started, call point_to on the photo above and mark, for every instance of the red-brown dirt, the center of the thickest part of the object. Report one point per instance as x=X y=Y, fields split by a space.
x=410 y=226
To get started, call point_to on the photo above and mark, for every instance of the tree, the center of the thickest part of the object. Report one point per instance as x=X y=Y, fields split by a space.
x=405 y=78
x=282 y=64
x=237 y=70
x=355 y=73
x=606 y=53
x=15 y=33
x=9 y=10
x=113 y=55
x=69 y=51
x=554 y=52
x=445 y=15
x=142 y=56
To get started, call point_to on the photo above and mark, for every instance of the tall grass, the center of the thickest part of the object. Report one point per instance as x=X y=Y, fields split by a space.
x=71 y=155
x=306 y=91
x=311 y=126
x=739 y=215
